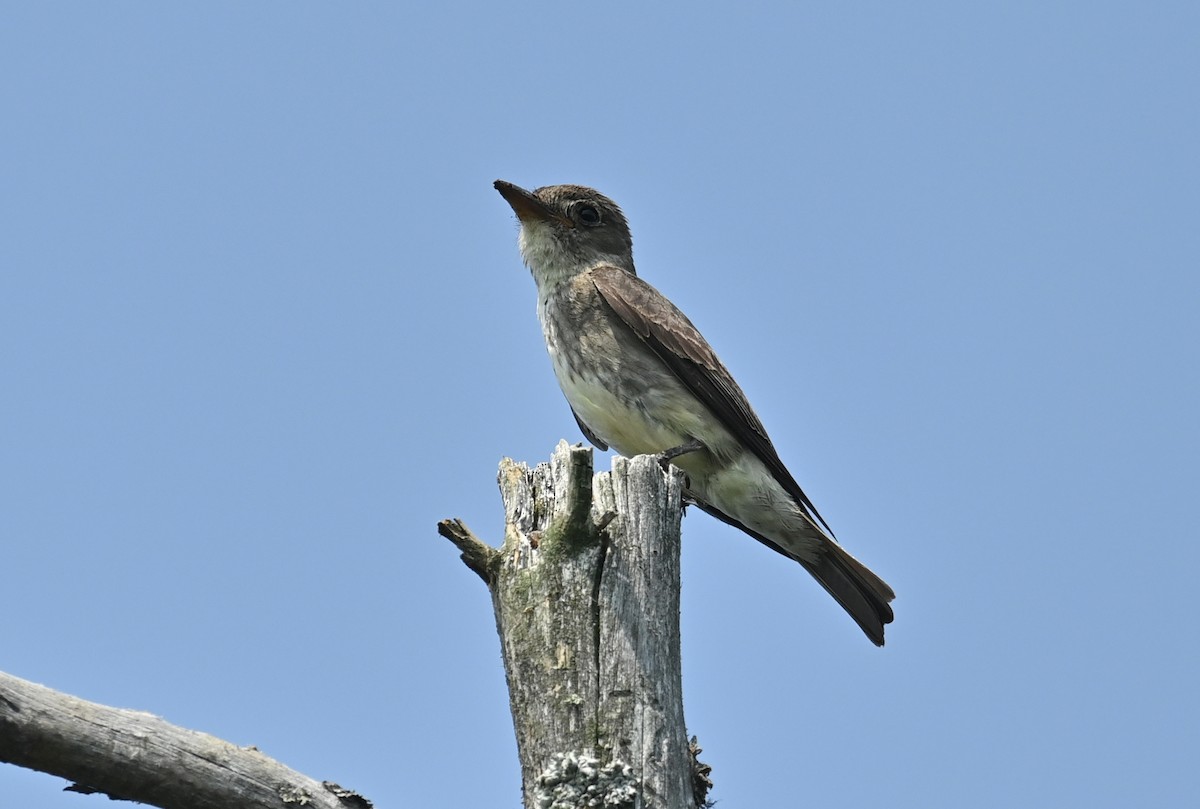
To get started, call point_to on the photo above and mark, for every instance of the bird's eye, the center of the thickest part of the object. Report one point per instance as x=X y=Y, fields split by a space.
x=588 y=215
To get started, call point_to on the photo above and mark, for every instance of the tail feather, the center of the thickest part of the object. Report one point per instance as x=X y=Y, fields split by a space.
x=861 y=593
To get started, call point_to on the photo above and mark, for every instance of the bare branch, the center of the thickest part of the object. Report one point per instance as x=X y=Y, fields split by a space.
x=476 y=554
x=135 y=756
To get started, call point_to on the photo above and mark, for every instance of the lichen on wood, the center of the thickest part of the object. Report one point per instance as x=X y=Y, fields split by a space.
x=585 y=591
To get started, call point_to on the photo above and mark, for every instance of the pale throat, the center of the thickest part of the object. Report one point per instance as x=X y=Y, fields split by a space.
x=551 y=263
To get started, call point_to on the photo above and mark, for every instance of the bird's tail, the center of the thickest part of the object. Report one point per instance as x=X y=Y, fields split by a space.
x=860 y=592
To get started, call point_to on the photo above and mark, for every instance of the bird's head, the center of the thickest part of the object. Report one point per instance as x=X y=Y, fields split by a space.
x=567 y=229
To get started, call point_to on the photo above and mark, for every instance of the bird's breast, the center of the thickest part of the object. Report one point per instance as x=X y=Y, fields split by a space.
x=615 y=384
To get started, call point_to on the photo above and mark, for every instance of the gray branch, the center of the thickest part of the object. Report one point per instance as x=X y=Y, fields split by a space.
x=129 y=755
x=586 y=596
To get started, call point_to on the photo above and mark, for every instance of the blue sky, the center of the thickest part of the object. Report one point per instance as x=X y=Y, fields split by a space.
x=263 y=322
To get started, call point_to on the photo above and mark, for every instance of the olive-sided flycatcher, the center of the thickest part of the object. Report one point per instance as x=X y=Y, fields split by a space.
x=641 y=379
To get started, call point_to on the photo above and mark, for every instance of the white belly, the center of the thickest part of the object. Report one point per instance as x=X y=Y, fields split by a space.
x=626 y=426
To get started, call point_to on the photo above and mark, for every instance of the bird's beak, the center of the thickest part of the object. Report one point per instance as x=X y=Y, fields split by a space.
x=527 y=207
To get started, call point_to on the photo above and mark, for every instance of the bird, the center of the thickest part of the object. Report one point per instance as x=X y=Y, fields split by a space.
x=641 y=379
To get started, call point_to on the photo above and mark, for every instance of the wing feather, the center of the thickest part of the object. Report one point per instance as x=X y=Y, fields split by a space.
x=671 y=336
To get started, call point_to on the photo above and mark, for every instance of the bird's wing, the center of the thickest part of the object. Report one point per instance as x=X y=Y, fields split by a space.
x=588 y=434
x=671 y=336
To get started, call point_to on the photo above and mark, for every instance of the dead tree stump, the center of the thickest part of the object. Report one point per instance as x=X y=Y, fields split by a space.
x=586 y=595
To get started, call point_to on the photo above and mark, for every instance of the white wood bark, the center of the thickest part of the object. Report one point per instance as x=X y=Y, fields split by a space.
x=135 y=756
x=586 y=596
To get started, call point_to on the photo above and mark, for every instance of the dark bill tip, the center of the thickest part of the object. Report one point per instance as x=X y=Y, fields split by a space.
x=526 y=206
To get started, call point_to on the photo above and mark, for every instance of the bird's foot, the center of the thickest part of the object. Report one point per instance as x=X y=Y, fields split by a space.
x=667 y=455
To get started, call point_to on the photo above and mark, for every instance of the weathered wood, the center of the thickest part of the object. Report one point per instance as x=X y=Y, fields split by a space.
x=641 y=694
x=129 y=755
x=586 y=596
